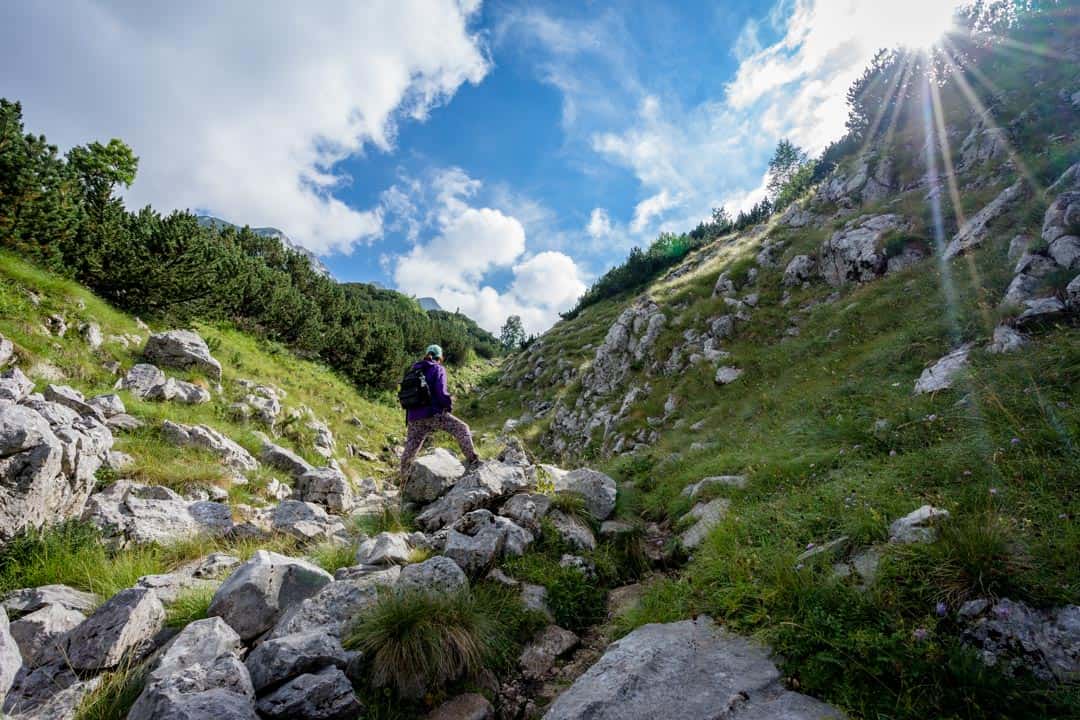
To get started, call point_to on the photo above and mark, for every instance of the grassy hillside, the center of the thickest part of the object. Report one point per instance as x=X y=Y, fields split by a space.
x=834 y=443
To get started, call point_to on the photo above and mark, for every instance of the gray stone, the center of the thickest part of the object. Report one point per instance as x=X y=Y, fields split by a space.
x=61 y=704
x=976 y=229
x=714 y=481
x=386 y=548
x=71 y=398
x=323 y=442
x=614 y=528
x=1040 y=311
x=10 y=659
x=432 y=475
x=534 y=597
x=14 y=385
x=1072 y=294
x=326 y=486
x=39 y=634
x=865 y=564
x=800 y=270
x=470 y=706
x=854 y=254
x=91 y=334
x=573 y=531
x=306 y=521
x=325 y=695
x=692 y=670
x=200 y=675
x=1021 y=288
x=169 y=587
x=1018 y=639
x=910 y=255
x=141 y=379
x=526 y=509
x=944 y=373
x=629 y=340
x=549 y=644
x=180 y=391
x=122 y=629
x=597 y=489
x=22 y=602
x=918 y=526
x=279 y=659
x=475 y=541
x=483 y=485
x=109 y=405
x=707 y=516
x=255 y=595
x=7 y=351
x=47 y=464
x=284 y=459
x=1066 y=250
x=435 y=575
x=332 y=608
x=1038 y=266
x=1018 y=247
x=124 y=423
x=182 y=349
x=201 y=436
x=140 y=514
x=816 y=553
x=727 y=374
x=1006 y=340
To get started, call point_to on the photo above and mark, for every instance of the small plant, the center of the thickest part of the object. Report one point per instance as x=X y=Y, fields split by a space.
x=575 y=600
x=391 y=518
x=191 y=605
x=113 y=698
x=419 y=642
x=332 y=556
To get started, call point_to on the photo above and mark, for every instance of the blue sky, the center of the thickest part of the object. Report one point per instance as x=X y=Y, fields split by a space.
x=497 y=156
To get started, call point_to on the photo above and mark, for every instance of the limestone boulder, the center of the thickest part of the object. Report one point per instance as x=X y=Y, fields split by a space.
x=326 y=486
x=475 y=541
x=692 y=669
x=278 y=659
x=14 y=385
x=527 y=509
x=324 y=695
x=122 y=629
x=549 y=644
x=1006 y=340
x=431 y=475
x=202 y=436
x=10 y=659
x=40 y=634
x=855 y=253
x=331 y=609
x=109 y=405
x=470 y=706
x=200 y=675
x=386 y=548
x=977 y=228
x=141 y=379
x=22 y=602
x=306 y=522
x=132 y=513
x=435 y=575
x=252 y=599
x=283 y=459
x=918 y=526
x=573 y=530
x=706 y=516
x=800 y=270
x=944 y=373
x=182 y=349
x=597 y=489
x=480 y=487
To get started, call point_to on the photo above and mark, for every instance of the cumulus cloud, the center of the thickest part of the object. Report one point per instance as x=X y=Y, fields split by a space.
x=241 y=109
x=599 y=226
x=469 y=245
x=689 y=159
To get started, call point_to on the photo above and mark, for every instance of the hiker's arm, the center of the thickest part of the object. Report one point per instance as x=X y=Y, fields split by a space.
x=440 y=397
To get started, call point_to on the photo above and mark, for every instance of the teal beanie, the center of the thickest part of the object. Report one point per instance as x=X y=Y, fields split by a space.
x=434 y=351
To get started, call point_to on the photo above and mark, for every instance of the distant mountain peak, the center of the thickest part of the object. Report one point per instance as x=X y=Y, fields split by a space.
x=429 y=303
x=316 y=264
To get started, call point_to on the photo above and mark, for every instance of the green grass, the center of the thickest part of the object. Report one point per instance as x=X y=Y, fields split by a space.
x=189 y=606
x=417 y=644
x=113 y=698
x=332 y=556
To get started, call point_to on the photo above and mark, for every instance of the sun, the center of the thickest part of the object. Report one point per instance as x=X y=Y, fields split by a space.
x=919 y=25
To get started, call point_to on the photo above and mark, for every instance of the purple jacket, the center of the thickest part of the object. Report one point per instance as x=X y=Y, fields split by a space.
x=435 y=374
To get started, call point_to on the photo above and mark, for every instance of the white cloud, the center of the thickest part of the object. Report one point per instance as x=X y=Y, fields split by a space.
x=599 y=226
x=469 y=245
x=241 y=108
x=649 y=208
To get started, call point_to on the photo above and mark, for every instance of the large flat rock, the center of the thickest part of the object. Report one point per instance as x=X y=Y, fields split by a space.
x=691 y=670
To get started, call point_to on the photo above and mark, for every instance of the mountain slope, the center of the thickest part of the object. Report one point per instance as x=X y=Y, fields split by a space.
x=316 y=263
x=769 y=384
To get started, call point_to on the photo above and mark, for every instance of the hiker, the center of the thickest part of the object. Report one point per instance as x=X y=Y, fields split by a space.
x=427 y=409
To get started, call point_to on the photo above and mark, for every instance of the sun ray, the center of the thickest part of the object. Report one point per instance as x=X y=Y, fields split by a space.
x=896 y=84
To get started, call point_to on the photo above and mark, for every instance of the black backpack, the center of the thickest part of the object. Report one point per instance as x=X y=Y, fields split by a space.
x=414 y=391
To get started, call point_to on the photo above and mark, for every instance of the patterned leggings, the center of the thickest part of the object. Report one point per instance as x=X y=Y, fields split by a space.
x=418 y=431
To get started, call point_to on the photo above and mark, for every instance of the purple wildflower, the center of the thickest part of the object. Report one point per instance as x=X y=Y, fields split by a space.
x=920 y=634
x=941 y=609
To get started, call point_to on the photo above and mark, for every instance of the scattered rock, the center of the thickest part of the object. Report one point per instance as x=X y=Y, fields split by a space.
x=284 y=459
x=489 y=481
x=432 y=475
x=122 y=629
x=732 y=481
x=306 y=521
x=141 y=379
x=199 y=676
x=10 y=659
x=435 y=575
x=1072 y=294
x=708 y=515
x=325 y=695
x=22 y=602
x=207 y=438
x=689 y=669
x=475 y=541
x=727 y=374
x=597 y=489
x=91 y=334
x=854 y=253
x=549 y=644
x=470 y=706
x=800 y=270
x=14 y=385
x=182 y=349
x=917 y=526
x=1040 y=311
x=124 y=423
x=332 y=608
x=179 y=390
x=130 y=512
x=386 y=548
x=56 y=325
x=71 y=398
x=614 y=528
x=109 y=405
x=254 y=596
x=527 y=509
x=976 y=230
x=281 y=658
x=945 y=372
x=39 y=634
x=328 y=487
x=1006 y=340
x=1017 y=638
x=815 y=553
x=573 y=531
x=7 y=351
